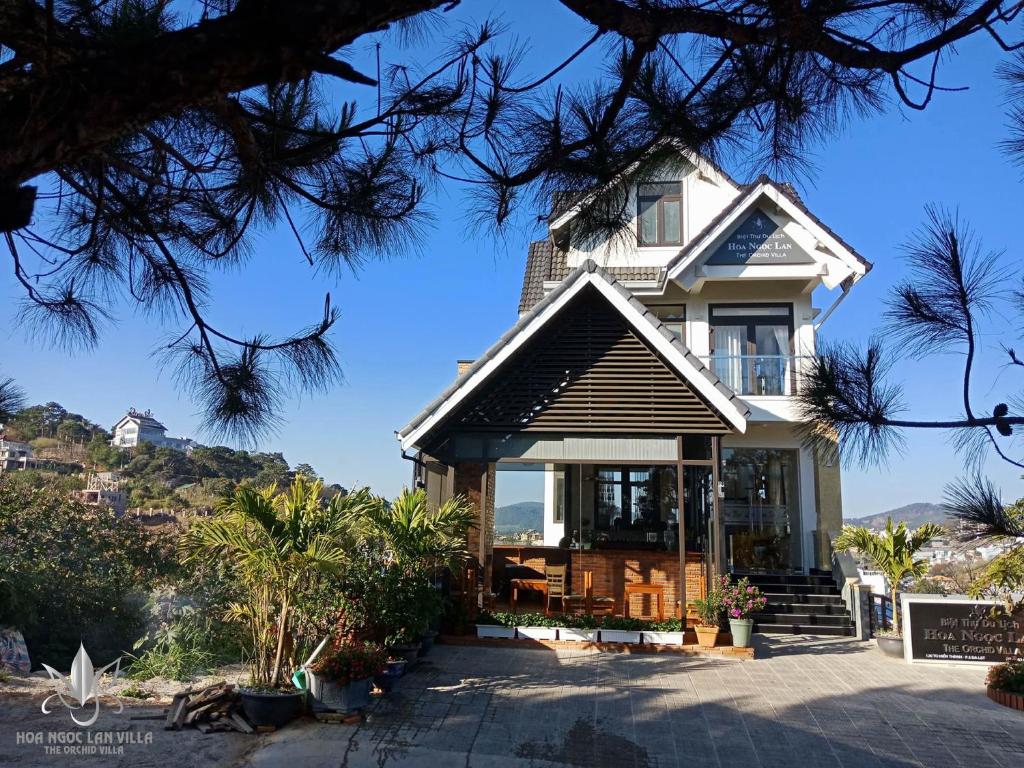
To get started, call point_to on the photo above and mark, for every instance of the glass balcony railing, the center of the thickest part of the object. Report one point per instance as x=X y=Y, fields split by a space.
x=752 y=375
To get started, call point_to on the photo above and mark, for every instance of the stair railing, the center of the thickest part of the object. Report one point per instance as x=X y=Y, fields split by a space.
x=882 y=610
x=856 y=594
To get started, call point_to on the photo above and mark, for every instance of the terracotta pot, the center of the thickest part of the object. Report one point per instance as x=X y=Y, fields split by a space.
x=707 y=637
x=1007 y=698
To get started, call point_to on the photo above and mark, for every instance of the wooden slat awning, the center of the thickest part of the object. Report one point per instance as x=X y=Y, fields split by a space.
x=589 y=371
x=588 y=359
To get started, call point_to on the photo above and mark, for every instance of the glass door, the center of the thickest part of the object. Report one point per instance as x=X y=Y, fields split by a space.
x=760 y=511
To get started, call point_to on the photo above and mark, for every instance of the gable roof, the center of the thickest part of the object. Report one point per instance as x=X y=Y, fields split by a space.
x=142 y=420
x=564 y=212
x=733 y=410
x=786 y=196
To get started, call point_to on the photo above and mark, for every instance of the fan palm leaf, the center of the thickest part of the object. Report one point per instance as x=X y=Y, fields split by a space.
x=892 y=552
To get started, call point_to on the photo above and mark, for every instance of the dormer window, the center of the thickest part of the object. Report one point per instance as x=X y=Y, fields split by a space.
x=659 y=213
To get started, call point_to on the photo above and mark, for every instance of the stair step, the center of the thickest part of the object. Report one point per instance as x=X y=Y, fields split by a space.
x=788 y=606
x=799 y=589
x=786 y=598
x=803 y=629
x=808 y=619
x=774 y=578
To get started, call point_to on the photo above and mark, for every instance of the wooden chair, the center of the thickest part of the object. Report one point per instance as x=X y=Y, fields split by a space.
x=555 y=576
x=600 y=605
x=587 y=604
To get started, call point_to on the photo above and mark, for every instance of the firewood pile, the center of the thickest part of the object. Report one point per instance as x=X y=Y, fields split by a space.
x=214 y=708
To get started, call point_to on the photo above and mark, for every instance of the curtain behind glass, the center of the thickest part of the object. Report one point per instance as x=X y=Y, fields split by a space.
x=730 y=345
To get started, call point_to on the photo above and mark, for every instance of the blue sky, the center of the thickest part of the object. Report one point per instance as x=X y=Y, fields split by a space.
x=408 y=318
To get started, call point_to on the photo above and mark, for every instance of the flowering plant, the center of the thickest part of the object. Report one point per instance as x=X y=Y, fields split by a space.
x=711 y=607
x=742 y=598
x=346 y=661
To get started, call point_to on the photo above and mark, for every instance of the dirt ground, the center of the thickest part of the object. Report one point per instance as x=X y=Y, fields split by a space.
x=30 y=738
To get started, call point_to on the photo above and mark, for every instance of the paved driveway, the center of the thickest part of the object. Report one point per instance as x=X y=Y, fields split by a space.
x=805 y=703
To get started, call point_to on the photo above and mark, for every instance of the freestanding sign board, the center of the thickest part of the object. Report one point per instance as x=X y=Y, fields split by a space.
x=959 y=630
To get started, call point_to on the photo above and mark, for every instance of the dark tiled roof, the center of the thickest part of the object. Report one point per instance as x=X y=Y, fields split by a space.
x=545 y=263
x=538 y=269
x=588 y=266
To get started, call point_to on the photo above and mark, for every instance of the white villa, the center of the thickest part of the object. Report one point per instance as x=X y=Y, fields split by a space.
x=140 y=427
x=651 y=377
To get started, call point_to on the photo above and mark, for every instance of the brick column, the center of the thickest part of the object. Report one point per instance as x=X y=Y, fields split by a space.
x=475 y=481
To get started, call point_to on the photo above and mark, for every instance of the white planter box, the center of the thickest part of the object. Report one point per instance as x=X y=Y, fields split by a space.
x=578 y=635
x=663 y=638
x=620 y=636
x=538 y=633
x=495 y=630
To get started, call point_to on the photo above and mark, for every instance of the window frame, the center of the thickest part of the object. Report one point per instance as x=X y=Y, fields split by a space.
x=657 y=309
x=750 y=322
x=659 y=201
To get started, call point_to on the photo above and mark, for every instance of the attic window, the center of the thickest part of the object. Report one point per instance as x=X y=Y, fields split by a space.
x=659 y=213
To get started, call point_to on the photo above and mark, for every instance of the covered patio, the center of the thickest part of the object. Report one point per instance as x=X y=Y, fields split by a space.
x=593 y=390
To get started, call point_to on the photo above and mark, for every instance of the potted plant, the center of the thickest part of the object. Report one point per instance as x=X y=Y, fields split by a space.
x=582 y=629
x=536 y=626
x=667 y=632
x=341 y=676
x=709 y=615
x=273 y=545
x=496 y=625
x=618 y=629
x=889 y=642
x=1005 y=683
x=891 y=552
x=739 y=600
x=386 y=679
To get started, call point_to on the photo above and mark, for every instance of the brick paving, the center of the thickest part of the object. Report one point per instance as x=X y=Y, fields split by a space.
x=805 y=702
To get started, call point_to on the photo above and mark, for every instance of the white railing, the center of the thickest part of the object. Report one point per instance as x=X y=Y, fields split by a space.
x=757 y=375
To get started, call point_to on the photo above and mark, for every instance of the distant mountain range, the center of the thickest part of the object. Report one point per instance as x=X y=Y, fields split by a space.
x=912 y=514
x=521 y=516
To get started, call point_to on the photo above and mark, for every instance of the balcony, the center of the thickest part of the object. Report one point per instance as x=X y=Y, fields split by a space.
x=757 y=375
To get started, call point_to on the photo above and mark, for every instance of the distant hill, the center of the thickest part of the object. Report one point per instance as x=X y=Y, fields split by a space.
x=520 y=516
x=912 y=514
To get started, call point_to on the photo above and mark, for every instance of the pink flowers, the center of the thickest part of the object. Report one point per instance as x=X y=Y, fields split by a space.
x=742 y=598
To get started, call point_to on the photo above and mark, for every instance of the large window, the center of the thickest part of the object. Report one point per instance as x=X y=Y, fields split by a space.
x=660 y=213
x=752 y=347
x=635 y=506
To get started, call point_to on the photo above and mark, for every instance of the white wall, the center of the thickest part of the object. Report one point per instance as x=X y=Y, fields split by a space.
x=703 y=199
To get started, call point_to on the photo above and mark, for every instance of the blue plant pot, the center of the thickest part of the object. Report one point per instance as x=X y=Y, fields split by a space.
x=397 y=668
x=427 y=642
x=386 y=680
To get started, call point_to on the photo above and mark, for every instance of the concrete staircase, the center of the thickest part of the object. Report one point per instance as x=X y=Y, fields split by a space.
x=801 y=605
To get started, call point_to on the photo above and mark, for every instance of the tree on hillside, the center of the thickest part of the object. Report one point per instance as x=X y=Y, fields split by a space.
x=12 y=399
x=153 y=142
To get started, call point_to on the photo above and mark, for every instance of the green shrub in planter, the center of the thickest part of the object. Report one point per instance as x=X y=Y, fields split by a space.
x=1007 y=677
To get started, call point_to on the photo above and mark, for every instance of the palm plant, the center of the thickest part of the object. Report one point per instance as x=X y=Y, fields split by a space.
x=274 y=543
x=415 y=533
x=891 y=552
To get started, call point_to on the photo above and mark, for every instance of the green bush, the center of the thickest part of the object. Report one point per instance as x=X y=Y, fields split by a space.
x=1007 y=677
x=70 y=573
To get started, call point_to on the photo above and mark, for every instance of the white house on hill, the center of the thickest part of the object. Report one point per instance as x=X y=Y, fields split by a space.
x=135 y=428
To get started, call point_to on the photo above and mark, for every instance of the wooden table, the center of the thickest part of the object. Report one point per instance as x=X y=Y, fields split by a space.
x=638 y=588
x=529 y=585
